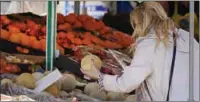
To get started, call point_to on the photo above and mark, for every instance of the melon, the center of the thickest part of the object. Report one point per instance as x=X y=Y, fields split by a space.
x=6 y=81
x=26 y=80
x=53 y=90
x=115 y=96
x=90 y=61
x=91 y=87
x=131 y=98
x=37 y=76
x=68 y=82
x=59 y=84
x=63 y=93
x=78 y=91
x=80 y=84
x=101 y=95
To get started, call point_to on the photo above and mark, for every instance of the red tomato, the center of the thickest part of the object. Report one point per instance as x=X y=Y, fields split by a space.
x=12 y=68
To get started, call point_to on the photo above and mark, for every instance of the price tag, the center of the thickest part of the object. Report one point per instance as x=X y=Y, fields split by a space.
x=47 y=81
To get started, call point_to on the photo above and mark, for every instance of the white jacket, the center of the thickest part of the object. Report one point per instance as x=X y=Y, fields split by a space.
x=154 y=67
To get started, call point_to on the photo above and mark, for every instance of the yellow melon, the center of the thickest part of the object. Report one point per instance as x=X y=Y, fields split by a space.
x=91 y=61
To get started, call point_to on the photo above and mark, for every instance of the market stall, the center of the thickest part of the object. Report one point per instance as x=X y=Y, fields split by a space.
x=35 y=47
x=42 y=56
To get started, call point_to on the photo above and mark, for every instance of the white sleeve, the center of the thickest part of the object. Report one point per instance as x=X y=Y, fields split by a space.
x=134 y=74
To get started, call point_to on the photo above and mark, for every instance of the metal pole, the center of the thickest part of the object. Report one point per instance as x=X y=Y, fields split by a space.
x=77 y=7
x=191 y=52
x=51 y=31
x=55 y=28
x=84 y=8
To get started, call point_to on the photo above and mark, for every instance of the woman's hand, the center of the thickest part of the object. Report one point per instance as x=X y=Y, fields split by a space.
x=93 y=73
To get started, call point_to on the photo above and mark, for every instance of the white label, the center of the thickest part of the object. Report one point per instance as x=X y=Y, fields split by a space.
x=47 y=81
x=57 y=53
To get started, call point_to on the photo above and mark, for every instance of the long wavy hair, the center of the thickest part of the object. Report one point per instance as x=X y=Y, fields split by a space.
x=151 y=15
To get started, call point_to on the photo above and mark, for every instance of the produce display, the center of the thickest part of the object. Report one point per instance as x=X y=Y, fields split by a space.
x=69 y=82
x=72 y=31
x=88 y=39
x=28 y=32
x=62 y=90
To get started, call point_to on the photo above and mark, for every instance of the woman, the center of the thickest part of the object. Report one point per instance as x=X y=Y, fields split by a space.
x=149 y=72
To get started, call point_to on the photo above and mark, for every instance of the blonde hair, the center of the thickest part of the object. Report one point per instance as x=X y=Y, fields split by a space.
x=151 y=15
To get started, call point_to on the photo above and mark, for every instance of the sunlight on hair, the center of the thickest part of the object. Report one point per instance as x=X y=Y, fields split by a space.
x=151 y=15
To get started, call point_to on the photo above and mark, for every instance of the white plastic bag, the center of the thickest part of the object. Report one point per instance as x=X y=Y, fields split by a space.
x=39 y=7
x=26 y=6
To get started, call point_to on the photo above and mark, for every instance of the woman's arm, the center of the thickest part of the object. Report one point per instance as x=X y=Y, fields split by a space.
x=134 y=74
